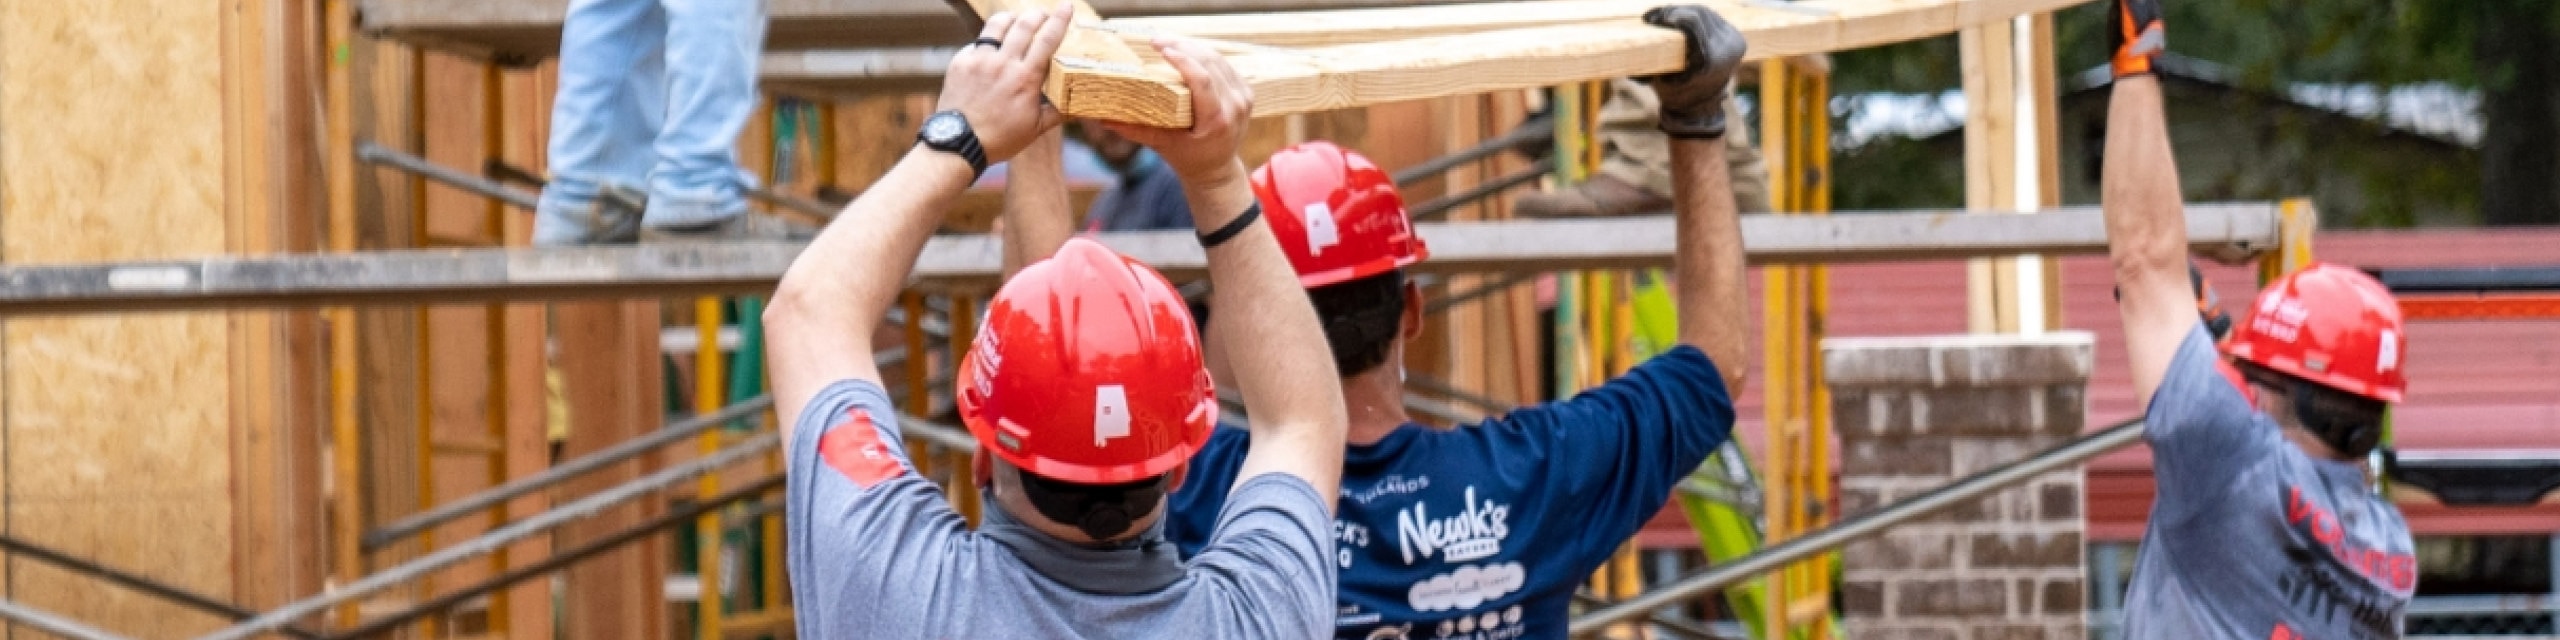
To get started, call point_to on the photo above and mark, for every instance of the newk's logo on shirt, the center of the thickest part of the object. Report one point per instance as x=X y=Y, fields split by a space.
x=1474 y=532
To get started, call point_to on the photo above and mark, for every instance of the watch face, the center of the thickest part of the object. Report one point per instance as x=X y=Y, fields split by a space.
x=942 y=128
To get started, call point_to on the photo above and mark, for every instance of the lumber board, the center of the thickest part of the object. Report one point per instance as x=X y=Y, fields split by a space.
x=1815 y=26
x=528 y=30
x=609 y=370
x=657 y=271
x=272 y=139
x=1352 y=58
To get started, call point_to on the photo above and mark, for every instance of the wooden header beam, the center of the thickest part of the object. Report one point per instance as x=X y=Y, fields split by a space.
x=659 y=271
x=1347 y=53
x=1352 y=58
x=529 y=30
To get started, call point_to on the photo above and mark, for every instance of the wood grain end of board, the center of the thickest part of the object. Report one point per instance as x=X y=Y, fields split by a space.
x=1139 y=96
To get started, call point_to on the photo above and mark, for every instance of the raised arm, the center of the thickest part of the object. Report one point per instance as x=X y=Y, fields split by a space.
x=2138 y=190
x=1297 y=418
x=1038 y=216
x=832 y=298
x=1713 y=297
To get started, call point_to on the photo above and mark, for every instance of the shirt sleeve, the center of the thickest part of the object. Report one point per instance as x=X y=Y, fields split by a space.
x=2202 y=432
x=1271 y=560
x=1618 y=449
x=854 y=500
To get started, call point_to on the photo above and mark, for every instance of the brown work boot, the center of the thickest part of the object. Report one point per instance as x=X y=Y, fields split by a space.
x=1599 y=196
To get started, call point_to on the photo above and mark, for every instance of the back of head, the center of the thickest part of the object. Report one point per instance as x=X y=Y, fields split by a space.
x=2331 y=338
x=1344 y=228
x=1087 y=374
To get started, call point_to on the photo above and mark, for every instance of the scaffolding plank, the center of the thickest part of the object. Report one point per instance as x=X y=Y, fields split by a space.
x=657 y=271
x=856 y=72
x=525 y=30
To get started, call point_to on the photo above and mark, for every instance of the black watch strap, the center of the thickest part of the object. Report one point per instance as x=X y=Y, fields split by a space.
x=965 y=144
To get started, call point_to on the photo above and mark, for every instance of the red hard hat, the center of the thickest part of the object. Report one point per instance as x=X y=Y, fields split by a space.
x=2331 y=325
x=1088 y=371
x=1336 y=213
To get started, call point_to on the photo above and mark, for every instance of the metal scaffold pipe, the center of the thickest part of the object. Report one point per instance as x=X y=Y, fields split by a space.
x=372 y=152
x=619 y=452
x=500 y=537
x=562 y=560
x=1437 y=207
x=1853 y=529
x=1532 y=131
x=47 y=622
x=128 y=580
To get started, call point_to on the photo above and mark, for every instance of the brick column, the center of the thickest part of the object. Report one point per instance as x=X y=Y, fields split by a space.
x=1915 y=413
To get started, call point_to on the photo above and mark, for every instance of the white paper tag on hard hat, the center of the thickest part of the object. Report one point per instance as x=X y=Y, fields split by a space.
x=1320 y=231
x=1110 y=414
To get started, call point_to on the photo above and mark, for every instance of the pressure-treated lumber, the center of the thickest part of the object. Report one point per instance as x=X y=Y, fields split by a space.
x=657 y=271
x=1388 y=55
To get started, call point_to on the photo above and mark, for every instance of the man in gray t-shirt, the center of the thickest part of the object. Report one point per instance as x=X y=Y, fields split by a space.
x=891 y=559
x=2264 y=527
x=2251 y=533
x=1084 y=390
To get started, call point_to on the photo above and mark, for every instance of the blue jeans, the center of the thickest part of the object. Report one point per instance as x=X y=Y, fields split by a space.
x=653 y=96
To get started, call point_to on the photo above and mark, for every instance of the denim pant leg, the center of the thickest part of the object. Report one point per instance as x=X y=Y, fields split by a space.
x=604 y=119
x=712 y=50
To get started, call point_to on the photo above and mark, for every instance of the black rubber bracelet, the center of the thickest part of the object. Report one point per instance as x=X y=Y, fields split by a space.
x=1212 y=239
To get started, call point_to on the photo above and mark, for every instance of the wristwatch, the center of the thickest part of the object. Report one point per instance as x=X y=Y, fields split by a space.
x=947 y=131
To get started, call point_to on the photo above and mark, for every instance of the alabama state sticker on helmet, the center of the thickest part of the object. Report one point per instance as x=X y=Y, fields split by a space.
x=1320 y=230
x=1110 y=414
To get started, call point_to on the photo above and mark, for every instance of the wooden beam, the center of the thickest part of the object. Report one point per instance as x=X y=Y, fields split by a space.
x=656 y=271
x=1375 y=56
x=609 y=374
x=272 y=65
x=2010 y=164
x=527 y=30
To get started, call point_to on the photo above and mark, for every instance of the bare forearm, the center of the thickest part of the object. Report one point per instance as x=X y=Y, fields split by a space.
x=1294 y=397
x=2146 y=230
x=834 y=294
x=1714 y=298
x=1036 y=216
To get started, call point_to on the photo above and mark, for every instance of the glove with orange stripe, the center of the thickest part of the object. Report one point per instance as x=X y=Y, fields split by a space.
x=2137 y=34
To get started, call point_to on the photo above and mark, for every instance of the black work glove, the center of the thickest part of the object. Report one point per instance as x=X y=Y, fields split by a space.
x=2134 y=27
x=1693 y=97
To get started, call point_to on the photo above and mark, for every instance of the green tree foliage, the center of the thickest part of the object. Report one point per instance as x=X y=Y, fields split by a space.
x=2509 y=50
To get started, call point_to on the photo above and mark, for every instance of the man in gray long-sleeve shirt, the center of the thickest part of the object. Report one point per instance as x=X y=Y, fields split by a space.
x=2264 y=528
x=1085 y=392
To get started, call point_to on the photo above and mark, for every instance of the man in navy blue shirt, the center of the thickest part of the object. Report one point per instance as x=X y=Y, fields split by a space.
x=1147 y=197
x=1485 y=531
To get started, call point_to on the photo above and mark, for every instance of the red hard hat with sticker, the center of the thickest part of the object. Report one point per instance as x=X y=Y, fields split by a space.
x=1088 y=371
x=1336 y=214
x=2331 y=325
